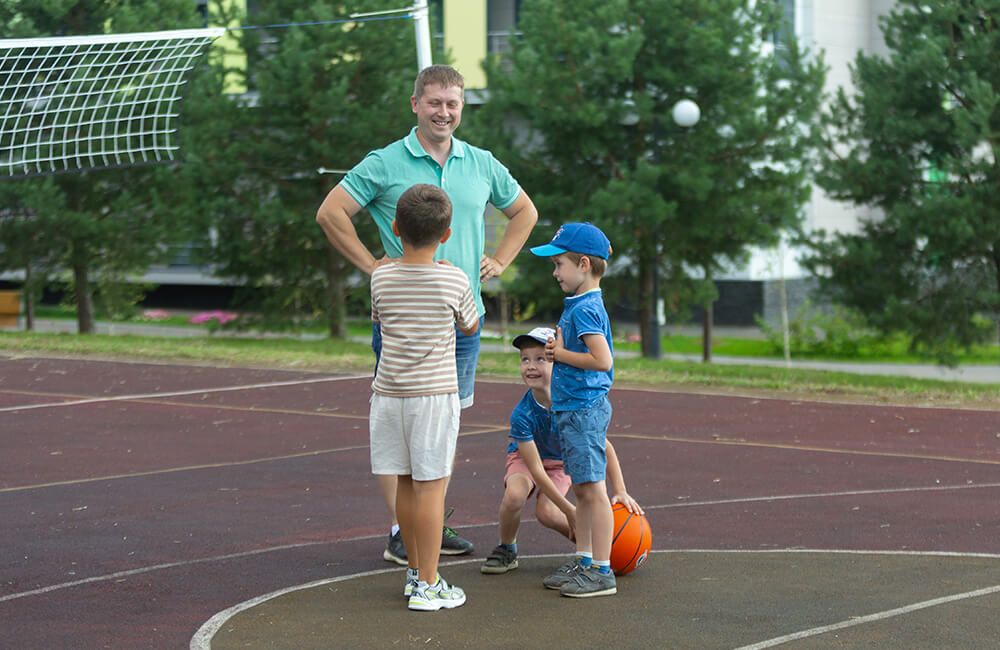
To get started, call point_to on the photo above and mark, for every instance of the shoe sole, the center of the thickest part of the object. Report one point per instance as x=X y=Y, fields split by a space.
x=456 y=551
x=604 y=592
x=428 y=606
x=389 y=557
x=498 y=569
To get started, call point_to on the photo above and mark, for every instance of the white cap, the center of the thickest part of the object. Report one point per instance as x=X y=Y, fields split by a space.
x=539 y=334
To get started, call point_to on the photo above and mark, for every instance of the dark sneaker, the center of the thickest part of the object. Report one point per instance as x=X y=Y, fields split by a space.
x=451 y=542
x=395 y=551
x=590 y=582
x=430 y=598
x=500 y=560
x=562 y=575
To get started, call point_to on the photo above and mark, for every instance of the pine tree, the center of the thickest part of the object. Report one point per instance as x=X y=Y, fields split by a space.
x=588 y=130
x=321 y=96
x=101 y=226
x=918 y=144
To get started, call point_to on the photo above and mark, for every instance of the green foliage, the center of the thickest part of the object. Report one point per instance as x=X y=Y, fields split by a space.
x=322 y=96
x=917 y=144
x=669 y=198
x=102 y=224
x=833 y=333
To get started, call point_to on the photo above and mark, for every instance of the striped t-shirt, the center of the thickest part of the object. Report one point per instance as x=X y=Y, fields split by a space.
x=417 y=307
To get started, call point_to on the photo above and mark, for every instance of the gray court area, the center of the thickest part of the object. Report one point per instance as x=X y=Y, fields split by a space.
x=676 y=600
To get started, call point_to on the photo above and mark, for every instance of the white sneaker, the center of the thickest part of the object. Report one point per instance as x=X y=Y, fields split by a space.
x=411 y=582
x=430 y=598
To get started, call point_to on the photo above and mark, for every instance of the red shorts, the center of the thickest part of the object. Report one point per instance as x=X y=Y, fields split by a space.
x=554 y=468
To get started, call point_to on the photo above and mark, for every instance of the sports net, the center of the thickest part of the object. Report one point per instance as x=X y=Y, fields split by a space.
x=91 y=102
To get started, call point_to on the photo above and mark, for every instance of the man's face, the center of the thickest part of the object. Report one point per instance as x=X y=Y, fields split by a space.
x=536 y=370
x=438 y=111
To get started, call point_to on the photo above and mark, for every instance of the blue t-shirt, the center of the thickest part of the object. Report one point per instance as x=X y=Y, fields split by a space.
x=573 y=388
x=472 y=177
x=530 y=421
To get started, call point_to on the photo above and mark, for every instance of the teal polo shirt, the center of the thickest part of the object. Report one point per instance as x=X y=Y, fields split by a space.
x=471 y=176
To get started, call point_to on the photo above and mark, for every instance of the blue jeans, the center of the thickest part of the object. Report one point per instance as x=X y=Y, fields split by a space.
x=583 y=435
x=466 y=359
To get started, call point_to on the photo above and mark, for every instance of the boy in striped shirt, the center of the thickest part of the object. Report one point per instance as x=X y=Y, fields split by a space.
x=415 y=407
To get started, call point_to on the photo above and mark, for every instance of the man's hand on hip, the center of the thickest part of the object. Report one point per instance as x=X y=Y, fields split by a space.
x=489 y=267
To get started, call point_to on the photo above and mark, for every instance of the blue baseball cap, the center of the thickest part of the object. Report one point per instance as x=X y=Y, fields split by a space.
x=581 y=238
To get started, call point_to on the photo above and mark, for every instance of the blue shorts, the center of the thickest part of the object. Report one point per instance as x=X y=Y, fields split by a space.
x=466 y=359
x=583 y=435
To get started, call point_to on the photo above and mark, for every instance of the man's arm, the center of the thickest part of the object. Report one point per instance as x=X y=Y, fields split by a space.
x=523 y=216
x=334 y=217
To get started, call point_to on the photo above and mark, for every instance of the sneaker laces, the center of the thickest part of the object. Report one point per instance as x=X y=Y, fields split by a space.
x=448 y=531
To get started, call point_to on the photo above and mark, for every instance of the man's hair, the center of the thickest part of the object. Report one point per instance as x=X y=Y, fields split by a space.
x=423 y=214
x=443 y=75
x=597 y=265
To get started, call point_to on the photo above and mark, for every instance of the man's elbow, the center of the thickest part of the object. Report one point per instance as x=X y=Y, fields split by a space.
x=472 y=329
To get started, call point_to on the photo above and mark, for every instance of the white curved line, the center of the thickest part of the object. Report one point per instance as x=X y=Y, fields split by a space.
x=202 y=639
x=870 y=618
x=232 y=556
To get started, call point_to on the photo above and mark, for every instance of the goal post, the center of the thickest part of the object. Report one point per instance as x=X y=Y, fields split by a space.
x=78 y=103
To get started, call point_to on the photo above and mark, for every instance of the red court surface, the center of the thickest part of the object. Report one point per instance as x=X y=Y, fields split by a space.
x=140 y=500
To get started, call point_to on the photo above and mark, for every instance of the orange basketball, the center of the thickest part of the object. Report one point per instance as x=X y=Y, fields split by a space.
x=632 y=540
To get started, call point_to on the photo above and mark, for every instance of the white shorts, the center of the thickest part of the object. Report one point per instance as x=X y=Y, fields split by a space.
x=414 y=436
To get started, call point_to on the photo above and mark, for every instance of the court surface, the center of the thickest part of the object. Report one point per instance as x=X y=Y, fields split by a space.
x=167 y=506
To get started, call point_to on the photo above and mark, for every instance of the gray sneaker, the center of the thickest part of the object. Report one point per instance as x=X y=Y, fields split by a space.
x=395 y=551
x=430 y=598
x=500 y=560
x=451 y=542
x=562 y=575
x=590 y=582
x=411 y=583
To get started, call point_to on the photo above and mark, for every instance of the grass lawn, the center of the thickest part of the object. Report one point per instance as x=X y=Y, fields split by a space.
x=332 y=355
x=722 y=345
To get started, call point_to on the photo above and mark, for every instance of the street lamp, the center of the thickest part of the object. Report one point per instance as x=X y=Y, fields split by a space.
x=686 y=114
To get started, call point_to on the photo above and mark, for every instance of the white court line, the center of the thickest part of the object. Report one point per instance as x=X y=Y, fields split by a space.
x=180 y=393
x=222 y=558
x=870 y=618
x=824 y=495
x=202 y=639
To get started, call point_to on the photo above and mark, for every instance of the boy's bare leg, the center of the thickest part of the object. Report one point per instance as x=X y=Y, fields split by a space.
x=550 y=516
x=387 y=485
x=515 y=495
x=428 y=513
x=405 y=506
x=594 y=520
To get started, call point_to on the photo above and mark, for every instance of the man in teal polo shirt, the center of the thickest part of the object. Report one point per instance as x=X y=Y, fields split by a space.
x=473 y=178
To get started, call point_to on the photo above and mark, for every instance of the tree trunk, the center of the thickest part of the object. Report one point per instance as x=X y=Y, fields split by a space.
x=335 y=294
x=84 y=299
x=706 y=327
x=29 y=300
x=649 y=324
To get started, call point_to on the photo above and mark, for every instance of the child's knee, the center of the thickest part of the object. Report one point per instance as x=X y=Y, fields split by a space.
x=549 y=515
x=513 y=499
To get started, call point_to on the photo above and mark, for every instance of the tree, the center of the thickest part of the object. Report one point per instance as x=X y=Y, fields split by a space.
x=100 y=225
x=583 y=117
x=918 y=143
x=324 y=95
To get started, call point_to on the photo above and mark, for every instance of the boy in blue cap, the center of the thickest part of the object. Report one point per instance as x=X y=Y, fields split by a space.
x=583 y=368
x=535 y=462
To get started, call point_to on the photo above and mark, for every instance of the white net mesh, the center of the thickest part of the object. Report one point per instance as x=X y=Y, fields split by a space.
x=91 y=102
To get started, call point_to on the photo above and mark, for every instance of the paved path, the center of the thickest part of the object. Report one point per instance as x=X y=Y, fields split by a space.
x=986 y=374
